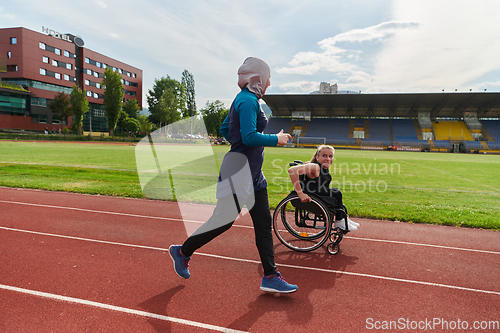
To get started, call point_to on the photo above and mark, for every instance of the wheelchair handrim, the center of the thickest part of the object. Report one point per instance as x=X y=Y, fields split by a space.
x=323 y=235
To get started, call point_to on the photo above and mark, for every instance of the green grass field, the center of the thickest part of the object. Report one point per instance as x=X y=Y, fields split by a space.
x=439 y=188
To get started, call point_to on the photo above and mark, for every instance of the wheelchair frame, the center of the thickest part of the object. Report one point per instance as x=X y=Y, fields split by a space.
x=306 y=226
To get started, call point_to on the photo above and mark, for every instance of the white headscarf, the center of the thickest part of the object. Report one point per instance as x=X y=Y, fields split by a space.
x=254 y=75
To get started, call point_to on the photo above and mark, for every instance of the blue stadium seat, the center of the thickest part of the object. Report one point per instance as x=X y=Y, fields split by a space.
x=276 y=124
x=380 y=130
x=404 y=131
x=493 y=127
x=333 y=129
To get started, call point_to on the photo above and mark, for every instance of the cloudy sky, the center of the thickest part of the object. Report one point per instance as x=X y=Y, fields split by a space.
x=362 y=45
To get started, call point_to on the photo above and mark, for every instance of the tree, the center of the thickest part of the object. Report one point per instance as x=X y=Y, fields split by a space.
x=214 y=114
x=113 y=96
x=145 y=125
x=131 y=107
x=188 y=83
x=127 y=123
x=167 y=101
x=61 y=107
x=130 y=124
x=168 y=112
x=79 y=106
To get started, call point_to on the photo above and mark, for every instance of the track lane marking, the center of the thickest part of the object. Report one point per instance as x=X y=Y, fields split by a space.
x=258 y=262
x=118 y=308
x=240 y=226
x=421 y=244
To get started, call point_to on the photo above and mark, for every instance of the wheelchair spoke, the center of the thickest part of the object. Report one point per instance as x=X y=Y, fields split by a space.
x=302 y=229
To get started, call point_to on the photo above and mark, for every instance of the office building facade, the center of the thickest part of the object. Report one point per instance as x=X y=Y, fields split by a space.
x=50 y=62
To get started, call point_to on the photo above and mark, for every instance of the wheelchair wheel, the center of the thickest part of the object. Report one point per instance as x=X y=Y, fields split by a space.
x=302 y=226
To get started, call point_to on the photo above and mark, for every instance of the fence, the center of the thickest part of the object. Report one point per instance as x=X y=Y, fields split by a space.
x=310 y=141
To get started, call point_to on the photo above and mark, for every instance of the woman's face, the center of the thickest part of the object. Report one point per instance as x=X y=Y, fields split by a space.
x=325 y=157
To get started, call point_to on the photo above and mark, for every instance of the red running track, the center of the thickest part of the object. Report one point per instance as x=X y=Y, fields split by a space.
x=73 y=262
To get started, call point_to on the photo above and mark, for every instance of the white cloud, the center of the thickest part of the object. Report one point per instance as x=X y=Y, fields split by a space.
x=425 y=46
x=456 y=44
x=367 y=34
x=299 y=87
x=101 y=4
x=5 y=15
x=338 y=59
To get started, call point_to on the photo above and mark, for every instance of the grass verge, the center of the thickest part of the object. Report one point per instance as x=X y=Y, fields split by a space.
x=449 y=189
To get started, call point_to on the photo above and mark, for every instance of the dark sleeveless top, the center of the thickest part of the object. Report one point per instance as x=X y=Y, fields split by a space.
x=319 y=185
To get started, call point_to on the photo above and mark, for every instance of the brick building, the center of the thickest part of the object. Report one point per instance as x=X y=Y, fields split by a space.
x=51 y=62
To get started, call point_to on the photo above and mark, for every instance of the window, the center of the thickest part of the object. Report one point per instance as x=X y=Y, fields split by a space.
x=96 y=95
x=39 y=101
x=69 y=66
x=135 y=75
x=9 y=55
x=42 y=119
x=13 y=40
x=98 y=64
x=43 y=71
x=11 y=68
x=87 y=82
x=128 y=74
x=98 y=113
x=54 y=63
x=13 y=104
x=45 y=59
x=98 y=85
x=57 y=51
x=66 y=77
x=57 y=76
x=89 y=72
x=66 y=53
x=87 y=60
x=89 y=93
x=96 y=74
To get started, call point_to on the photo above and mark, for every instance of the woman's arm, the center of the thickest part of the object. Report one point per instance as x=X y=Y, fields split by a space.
x=309 y=169
x=248 y=110
x=224 y=129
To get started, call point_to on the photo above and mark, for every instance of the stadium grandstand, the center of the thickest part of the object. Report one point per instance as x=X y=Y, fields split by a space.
x=446 y=122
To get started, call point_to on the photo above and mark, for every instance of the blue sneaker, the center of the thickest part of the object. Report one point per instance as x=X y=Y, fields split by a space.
x=277 y=285
x=181 y=263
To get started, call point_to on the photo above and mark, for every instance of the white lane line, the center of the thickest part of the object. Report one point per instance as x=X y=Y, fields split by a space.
x=258 y=262
x=238 y=226
x=118 y=308
x=421 y=244
x=98 y=211
x=85 y=239
x=360 y=275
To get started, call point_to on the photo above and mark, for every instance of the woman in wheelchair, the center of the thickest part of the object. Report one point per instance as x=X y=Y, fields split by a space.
x=314 y=177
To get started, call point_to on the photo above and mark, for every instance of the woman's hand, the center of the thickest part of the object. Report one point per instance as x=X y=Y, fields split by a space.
x=303 y=197
x=283 y=138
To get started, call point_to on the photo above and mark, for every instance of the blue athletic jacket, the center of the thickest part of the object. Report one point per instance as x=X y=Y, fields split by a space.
x=243 y=129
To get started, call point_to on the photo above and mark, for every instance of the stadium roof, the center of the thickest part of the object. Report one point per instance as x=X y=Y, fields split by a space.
x=443 y=105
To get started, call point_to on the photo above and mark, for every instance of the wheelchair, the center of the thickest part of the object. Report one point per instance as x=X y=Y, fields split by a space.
x=306 y=226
